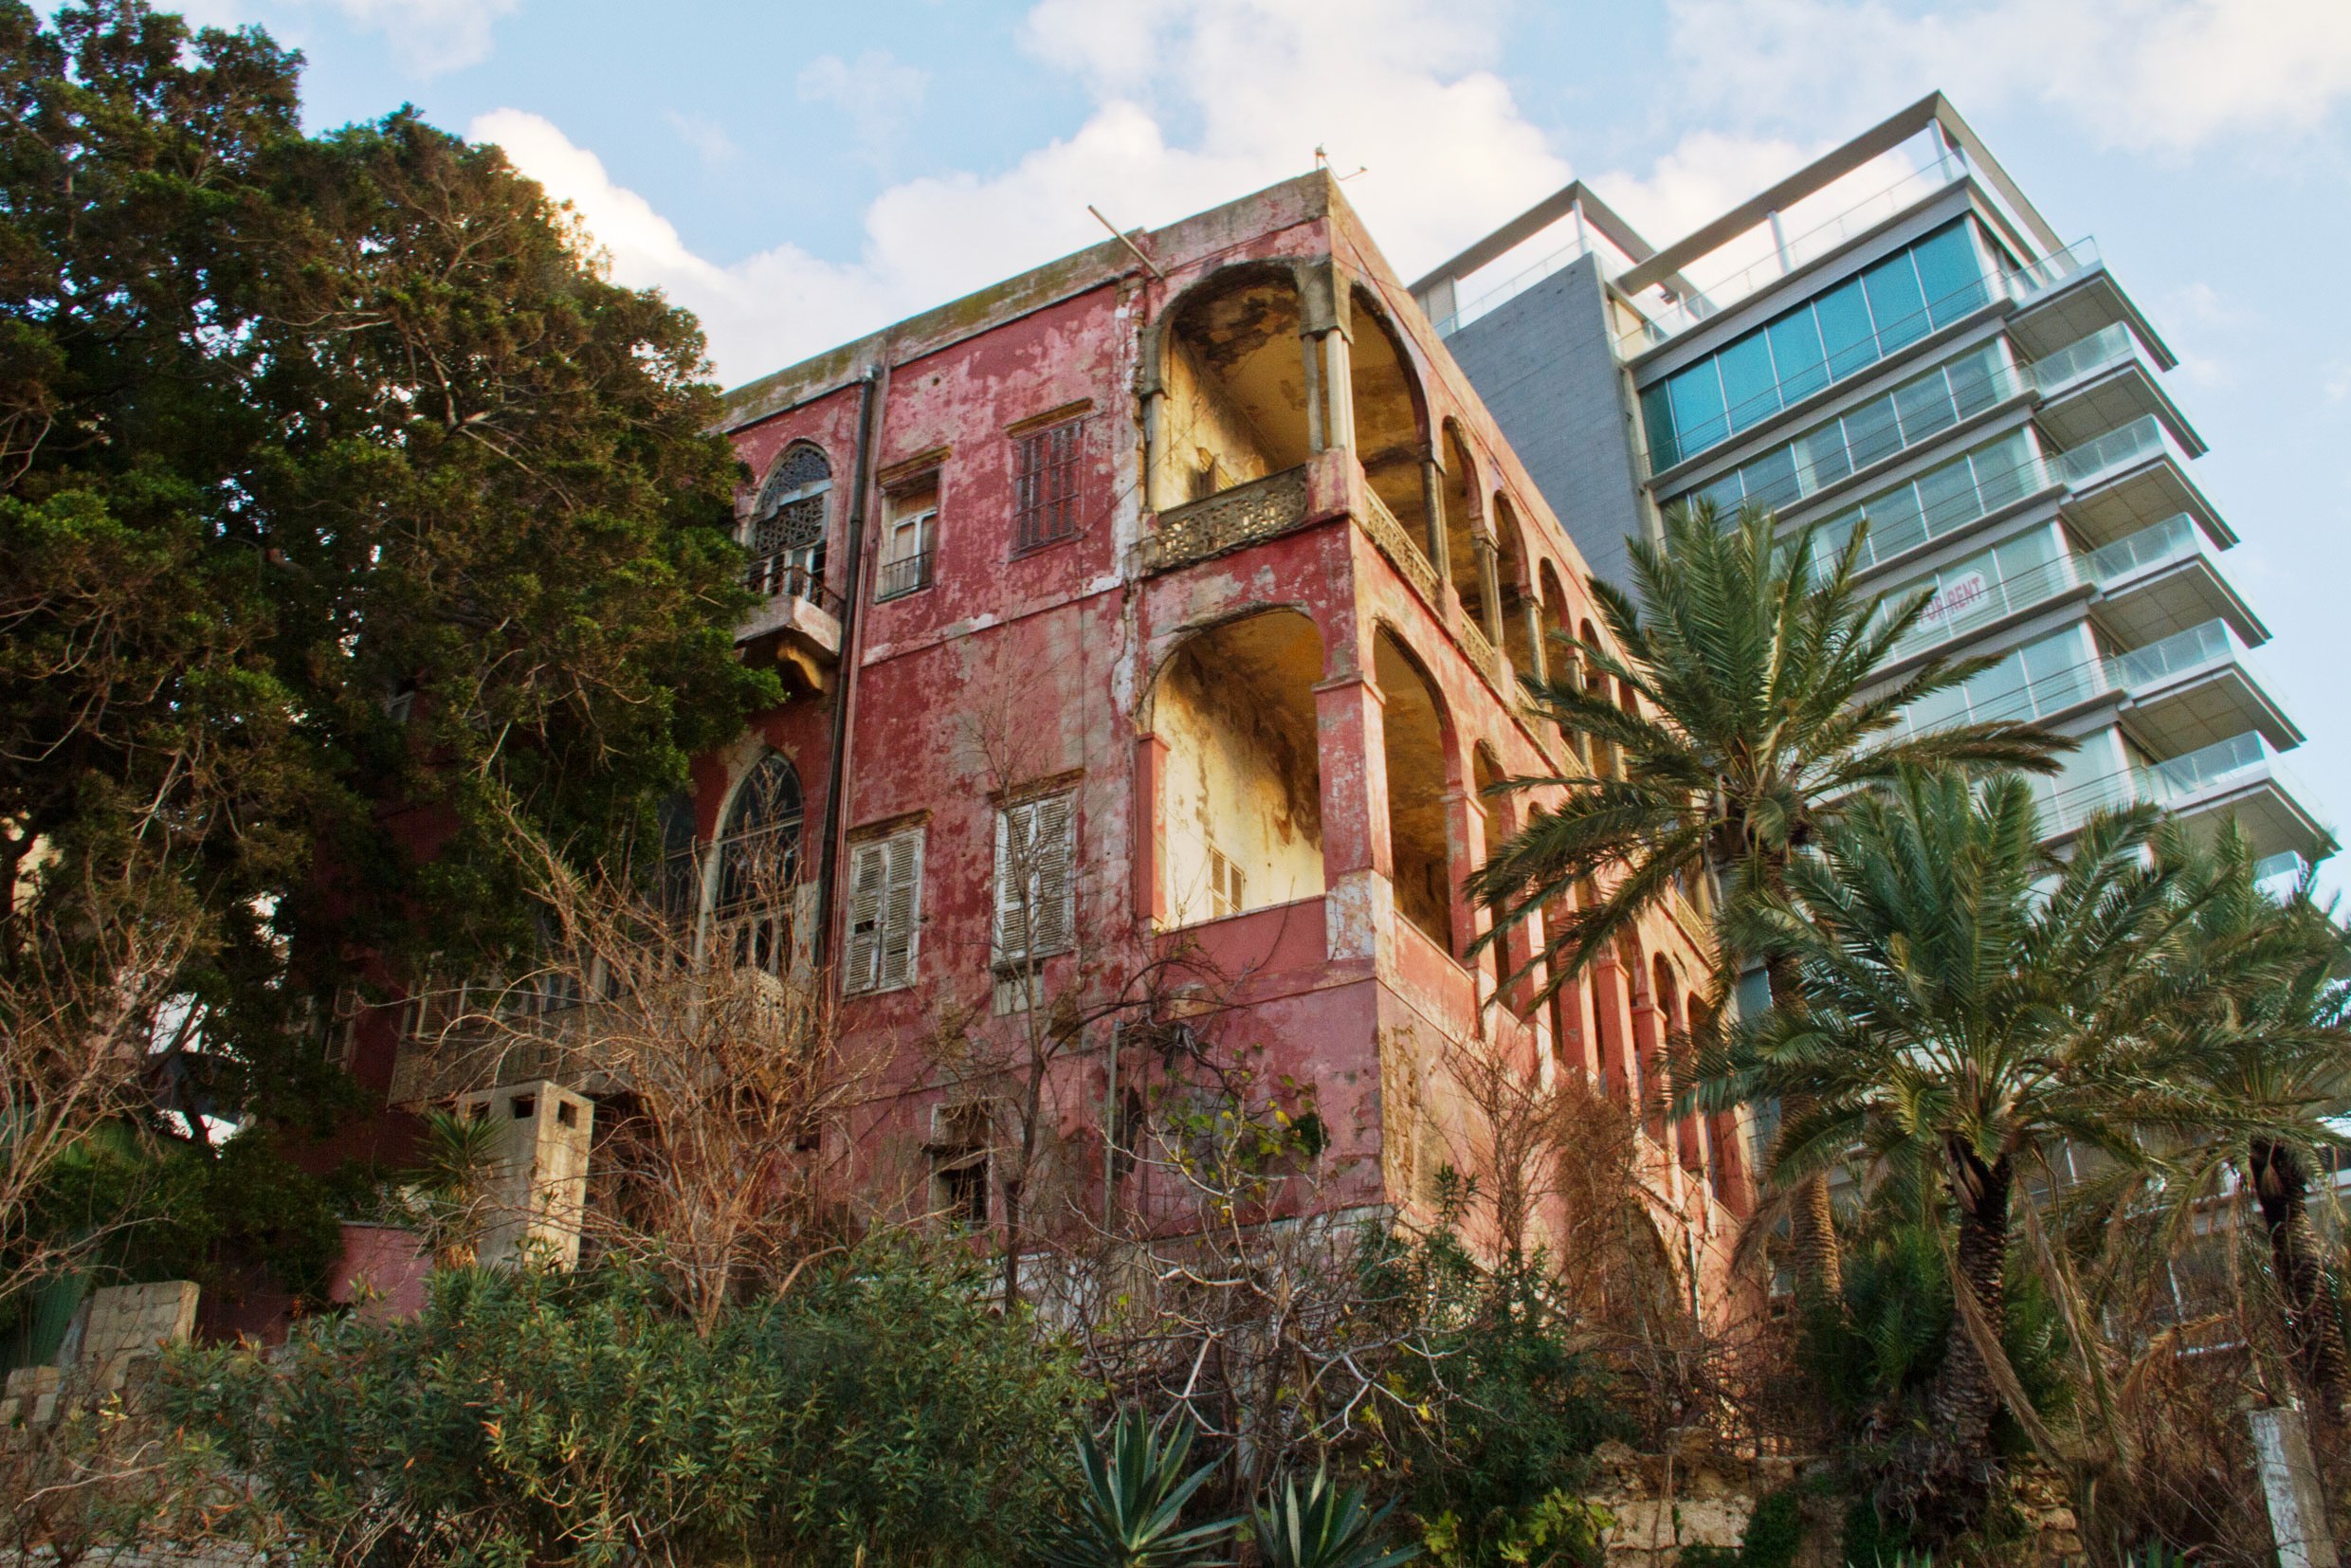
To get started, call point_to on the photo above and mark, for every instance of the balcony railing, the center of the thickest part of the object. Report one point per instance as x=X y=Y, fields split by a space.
x=2037 y=277
x=2084 y=357
x=2206 y=768
x=1394 y=543
x=2174 y=538
x=902 y=576
x=2176 y=654
x=785 y=574
x=1966 y=600
x=2121 y=447
x=1244 y=514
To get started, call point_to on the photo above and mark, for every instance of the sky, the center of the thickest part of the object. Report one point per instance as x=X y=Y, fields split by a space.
x=799 y=174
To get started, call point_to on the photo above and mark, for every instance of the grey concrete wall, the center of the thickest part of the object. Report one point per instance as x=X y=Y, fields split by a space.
x=1545 y=368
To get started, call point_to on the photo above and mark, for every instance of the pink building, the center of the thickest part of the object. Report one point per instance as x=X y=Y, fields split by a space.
x=1150 y=623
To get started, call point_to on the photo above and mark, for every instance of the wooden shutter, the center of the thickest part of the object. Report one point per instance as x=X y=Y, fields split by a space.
x=1015 y=826
x=1052 y=916
x=902 y=910
x=867 y=866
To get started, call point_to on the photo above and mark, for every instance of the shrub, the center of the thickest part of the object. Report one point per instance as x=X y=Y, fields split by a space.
x=545 y=1417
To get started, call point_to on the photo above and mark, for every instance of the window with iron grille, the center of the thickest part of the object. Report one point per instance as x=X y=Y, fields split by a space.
x=1047 y=481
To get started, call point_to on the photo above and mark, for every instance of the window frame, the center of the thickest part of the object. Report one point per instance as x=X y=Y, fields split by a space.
x=882 y=867
x=1044 y=516
x=1027 y=958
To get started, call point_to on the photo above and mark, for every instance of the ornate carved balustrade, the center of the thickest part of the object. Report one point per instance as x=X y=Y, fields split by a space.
x=1243 y=515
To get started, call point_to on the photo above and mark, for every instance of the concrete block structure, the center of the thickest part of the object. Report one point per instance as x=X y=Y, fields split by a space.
x=1159 y=612
x=1895 y=333
x=538 y=1172
x=124 y=1324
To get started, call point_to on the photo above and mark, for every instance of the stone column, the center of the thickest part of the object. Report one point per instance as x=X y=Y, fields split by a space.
x=1489 y=591
x=1358 y=862
x=1310 y=350
x=1432 y=502
x=1465 y=836
x=1533 y=614
x=1338 y=389
x=1151 y=758
x=1155 y=449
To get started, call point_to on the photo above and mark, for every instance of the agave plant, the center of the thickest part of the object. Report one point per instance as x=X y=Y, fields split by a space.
x=1325 y=1528
x=1126 y=1516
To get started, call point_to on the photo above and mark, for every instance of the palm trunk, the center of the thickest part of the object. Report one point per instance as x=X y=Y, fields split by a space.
x=1942 y=1476
x=1819 y=1261
x=2314 y=1334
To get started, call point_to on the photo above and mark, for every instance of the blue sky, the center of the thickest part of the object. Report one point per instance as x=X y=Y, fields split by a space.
x=799 y=174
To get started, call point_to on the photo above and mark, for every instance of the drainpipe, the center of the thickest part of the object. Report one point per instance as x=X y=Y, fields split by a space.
x=868 y=415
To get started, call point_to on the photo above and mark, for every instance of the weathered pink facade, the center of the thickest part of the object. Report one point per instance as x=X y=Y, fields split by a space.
x=1269 y=668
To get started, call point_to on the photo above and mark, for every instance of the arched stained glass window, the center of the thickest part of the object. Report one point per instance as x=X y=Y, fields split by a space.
x=759 y=864
x=786 y=536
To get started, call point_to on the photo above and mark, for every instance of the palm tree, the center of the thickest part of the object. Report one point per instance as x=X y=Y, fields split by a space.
x=1765 y=708
x=2262 y=1020
x=1973 y=1004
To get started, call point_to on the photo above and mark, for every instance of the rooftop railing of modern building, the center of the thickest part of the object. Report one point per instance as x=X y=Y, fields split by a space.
x=2084 y=357
x=2174 y=655
x=2123 y=446
x=2176 y=537
x=1790 y=253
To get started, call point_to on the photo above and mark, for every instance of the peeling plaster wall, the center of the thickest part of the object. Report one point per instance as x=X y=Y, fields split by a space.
x=1240 y=776
x=1206 y=432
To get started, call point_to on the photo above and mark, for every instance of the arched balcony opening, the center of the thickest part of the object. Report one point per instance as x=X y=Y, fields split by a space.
x=1561 y=662
x=1414 y=742
x=1522 y=615
x=1601 y=754
x=1390 y=419
x=786 y=533
x=1464 y=563
x=1673 y=1061
x=1483 y=774
x=1234 y=386
x=1240 y=786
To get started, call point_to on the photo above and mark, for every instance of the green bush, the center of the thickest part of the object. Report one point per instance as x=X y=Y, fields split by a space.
x=1773 y=1536
x=1510 y=1410
x=544 y=1418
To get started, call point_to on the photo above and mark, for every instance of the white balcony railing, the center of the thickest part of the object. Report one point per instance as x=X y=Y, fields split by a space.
x=2158 y=660
x=2084 y=357
x=2174 y=538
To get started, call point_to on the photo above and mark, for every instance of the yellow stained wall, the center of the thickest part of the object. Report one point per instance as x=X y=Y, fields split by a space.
x=1234 y=777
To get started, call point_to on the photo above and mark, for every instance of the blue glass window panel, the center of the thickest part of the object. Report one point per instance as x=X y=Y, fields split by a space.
x=1947 y=706
x=1657 y=418
x=1724 y=495
x=1895 y=302
x=2004 y=471
x=1697 y=394
x=2061 y=671
x=1821 y=457
x=1924 y=407
x=1796 y=351
x=1870 y=433
x=1894 y=524
x=1829 y=543
x=1948 y=495
x=1749 y=393
x=1845 y=329
x=1951 y=272
x=1974 y=384
x=1771 y=479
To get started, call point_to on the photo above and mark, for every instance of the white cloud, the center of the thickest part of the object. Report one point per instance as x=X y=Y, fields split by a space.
x=428 y=36
x=1401 y=86
x=2162 y=75
x=879 y=94
x=706 y=136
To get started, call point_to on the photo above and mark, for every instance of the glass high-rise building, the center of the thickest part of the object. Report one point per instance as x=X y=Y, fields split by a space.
x=1895 y=333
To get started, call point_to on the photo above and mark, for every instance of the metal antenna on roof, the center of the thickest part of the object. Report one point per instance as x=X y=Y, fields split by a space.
x=1120 y=235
